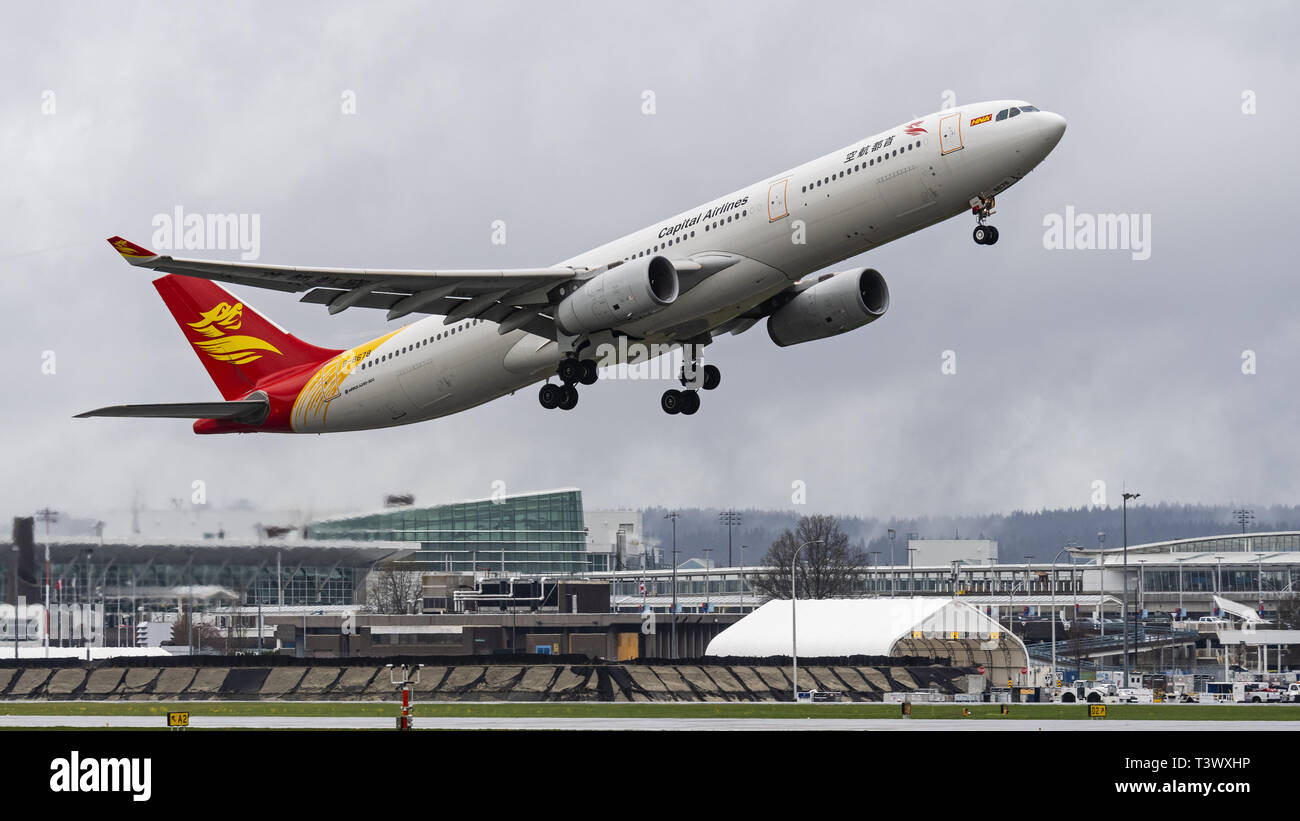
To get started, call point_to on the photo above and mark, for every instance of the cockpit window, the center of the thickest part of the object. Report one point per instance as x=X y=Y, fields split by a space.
x=1015 y=112
x=1030 y=108
x=1002 y=115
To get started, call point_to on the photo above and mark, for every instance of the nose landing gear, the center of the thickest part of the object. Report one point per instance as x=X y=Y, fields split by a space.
x=982 y=208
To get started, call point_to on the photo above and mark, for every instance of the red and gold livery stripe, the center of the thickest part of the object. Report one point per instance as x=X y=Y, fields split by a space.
x=312 y=404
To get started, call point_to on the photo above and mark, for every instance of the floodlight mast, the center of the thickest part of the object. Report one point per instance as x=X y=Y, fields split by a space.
x=1125 y=499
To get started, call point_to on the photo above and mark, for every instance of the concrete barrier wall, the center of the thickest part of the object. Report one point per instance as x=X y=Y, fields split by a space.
x=469 y=682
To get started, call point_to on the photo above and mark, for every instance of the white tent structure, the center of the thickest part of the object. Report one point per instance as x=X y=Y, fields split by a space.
x=929 y=626
x=1241 y=611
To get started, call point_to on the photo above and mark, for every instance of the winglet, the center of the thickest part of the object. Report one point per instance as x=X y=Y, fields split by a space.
x=130 y=251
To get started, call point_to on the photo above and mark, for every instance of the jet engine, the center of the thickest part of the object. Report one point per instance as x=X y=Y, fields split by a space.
x=631 y=291
x=836 y=303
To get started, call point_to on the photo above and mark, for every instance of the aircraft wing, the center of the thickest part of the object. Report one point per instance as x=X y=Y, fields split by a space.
x=241 y=410
x=514 y=297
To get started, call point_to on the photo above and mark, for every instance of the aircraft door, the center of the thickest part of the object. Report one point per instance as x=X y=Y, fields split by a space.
x=776 y=205
x=950 y=133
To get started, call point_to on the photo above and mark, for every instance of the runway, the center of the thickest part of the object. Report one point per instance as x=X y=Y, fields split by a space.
x=642 y=724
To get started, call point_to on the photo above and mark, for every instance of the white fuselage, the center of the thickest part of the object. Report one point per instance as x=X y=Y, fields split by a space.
x=781 y=228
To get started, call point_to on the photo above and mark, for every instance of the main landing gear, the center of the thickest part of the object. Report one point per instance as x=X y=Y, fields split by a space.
x=687 y=401
x=982 y=208
x=572 y=372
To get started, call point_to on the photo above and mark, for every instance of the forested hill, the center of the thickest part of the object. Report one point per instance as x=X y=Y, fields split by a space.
x=1039 y=534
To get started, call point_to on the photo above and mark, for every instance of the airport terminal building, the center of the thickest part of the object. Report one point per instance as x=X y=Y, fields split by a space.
x=544 y=534
x=1162 y=579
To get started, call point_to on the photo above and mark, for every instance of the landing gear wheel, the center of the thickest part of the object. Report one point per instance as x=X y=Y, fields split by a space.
x=993 y=236
x=568 y=398
x=671 y=401
x=982 y=234
x=589 y=372
x=690 y=402
x=570 y=370
x=549 y=396
x=712 y=377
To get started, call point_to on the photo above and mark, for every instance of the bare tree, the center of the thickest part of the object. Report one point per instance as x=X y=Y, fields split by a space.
x=205 y=634
x=830 y=568
x=392 y=591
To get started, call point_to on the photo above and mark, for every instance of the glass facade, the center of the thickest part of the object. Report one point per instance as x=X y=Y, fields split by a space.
x=302 y=585
x=162 y=578
x=1250 y=543
x=1218 y=580
x=534 y=534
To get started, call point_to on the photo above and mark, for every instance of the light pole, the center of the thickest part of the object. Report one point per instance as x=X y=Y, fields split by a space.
x=1053 y=585
x=891 y=562
x=1011 y=605
x=731 y=519
x=1101 y=557
x=46 y=515
x=706 y=551
x=794 y=632
x=1261 y=585
x=742 y=578
x=15 y=583
x=1181 y=617
x=90 y=593
x=1243 y=517
x=1127 y=496
x=672 y=650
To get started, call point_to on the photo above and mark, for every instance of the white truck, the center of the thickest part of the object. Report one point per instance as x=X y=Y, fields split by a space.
x=1103 y=692
x=1243 y=692
x=1260 y=692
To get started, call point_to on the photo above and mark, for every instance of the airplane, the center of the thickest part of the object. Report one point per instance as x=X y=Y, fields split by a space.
x=680 y=283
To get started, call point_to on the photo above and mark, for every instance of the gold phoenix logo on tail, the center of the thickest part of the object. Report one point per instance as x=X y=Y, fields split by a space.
x=129 y=249
x=238 y=349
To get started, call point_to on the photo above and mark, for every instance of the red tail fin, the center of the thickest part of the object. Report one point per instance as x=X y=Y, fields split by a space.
x=239 y=347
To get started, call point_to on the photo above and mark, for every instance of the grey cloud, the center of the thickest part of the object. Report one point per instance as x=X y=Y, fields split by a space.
x=1072 y=365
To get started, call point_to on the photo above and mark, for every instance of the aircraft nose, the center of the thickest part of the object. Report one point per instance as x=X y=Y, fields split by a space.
x=1052 y=127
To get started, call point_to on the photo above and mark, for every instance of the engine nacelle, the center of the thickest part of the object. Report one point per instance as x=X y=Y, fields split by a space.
x=839 y=302
x=631 y=291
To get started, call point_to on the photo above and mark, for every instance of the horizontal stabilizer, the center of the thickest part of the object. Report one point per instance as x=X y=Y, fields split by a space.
x=248 y=411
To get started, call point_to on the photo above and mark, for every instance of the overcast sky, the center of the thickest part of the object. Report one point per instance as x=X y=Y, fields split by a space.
x=1073 y=366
